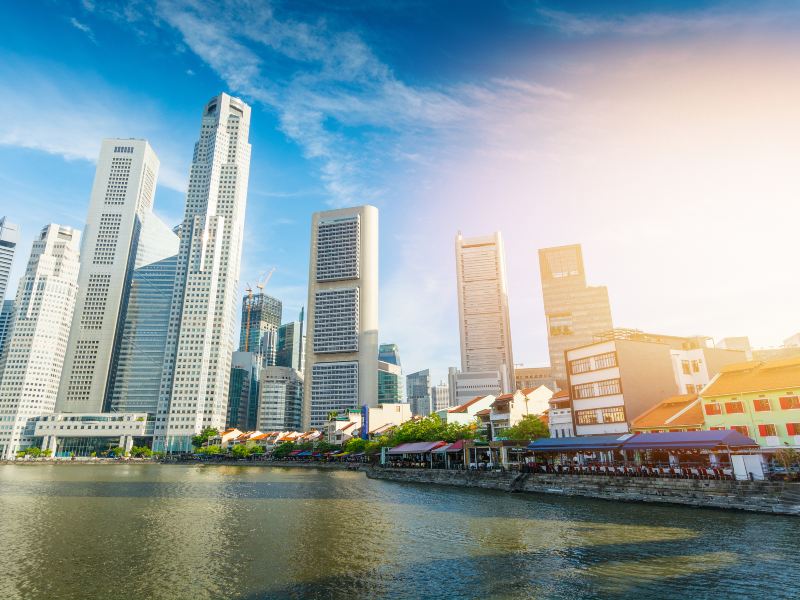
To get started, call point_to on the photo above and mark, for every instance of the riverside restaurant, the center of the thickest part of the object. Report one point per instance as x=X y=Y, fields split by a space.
x=716 y=454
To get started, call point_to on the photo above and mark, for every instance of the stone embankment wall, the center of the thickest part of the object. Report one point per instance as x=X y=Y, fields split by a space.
x=756 y=496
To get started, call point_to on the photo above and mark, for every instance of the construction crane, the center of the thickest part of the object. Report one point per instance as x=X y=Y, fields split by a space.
x=249 y=289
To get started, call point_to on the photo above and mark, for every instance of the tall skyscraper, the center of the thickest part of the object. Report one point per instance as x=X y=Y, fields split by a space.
x=261 y=318
x=243 y=391
x=197 y=364
x=139 y=360
x=440 y=397
x=281 y=402
x=36 y=346
x=9 y=237
x=418 y=393
x=342 y=338
x=291 y=348
x=390 y=383
x=483 y=308
x=389 y=353
x=574 y=311
x=6 y=313
x=122 y=197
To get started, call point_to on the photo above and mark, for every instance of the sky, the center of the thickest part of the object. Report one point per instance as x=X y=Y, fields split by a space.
x=662 y=136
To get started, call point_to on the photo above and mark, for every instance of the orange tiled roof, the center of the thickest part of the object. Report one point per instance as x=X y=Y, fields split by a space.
x=755 y=376
x=348 y=426
x=504 y=397
x=463 y=407
x=485 y=411
x=560 y=394
x=676 y=411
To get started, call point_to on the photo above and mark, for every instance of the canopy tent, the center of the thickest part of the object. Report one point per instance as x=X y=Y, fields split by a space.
x=457 y=446
x=578 y=444
x=416 y=447
x=304 y=453
x=688 y=440
x=295 y=452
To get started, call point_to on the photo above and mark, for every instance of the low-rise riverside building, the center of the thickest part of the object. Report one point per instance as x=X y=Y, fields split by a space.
x=758 y=399
x=559 y=415
x=508 y=410
x=467 y=412
x=626 y=372
x=367 y=422
x=676 y=413
x=80 y=434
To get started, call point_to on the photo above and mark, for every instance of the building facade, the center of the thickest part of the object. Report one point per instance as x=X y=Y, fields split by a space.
x=470 y=385
x=261 y=318
x=390 y=383
x=758 y=399
x=9 y=238
x=418 y=393
x=559 y=415
x=194 y=384
x=291 y=347
x=122 y=197
x=483 y=307
x=389 y=353
x=440 y=397
x=341 y=370
x=6 y=315
x=531 y=377
x=281 y=400
x=244 y=391
x=574 y=312
x=32 y=363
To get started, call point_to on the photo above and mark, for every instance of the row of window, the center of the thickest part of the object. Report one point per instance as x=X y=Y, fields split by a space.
x=593 y=363
x=595 y=389
x=614 y=414
x=764 y=429
x=759 y=405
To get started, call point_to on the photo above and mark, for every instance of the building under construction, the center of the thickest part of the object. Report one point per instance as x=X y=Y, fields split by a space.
x=261 y=317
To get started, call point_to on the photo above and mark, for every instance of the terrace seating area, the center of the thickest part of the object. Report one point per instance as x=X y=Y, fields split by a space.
x=625 y=470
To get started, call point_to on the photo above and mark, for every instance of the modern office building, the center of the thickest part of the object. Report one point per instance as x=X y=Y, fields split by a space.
x=389 y=353
x=626 y=372
x=341 y=370
x=440 y=397
x=136 y=376
x=6 y=314
x=574 y=311
x=479 y=383
x=452 y=384
x=390 y=383
x=37 y=344
x=531 y=377
x=418 y=393
x=121 y=199
x=194 y=385
x=291 y=346
x=281 y=399
x=243 y=392
x=9 y=238
x=261 y=318
x=483 y=307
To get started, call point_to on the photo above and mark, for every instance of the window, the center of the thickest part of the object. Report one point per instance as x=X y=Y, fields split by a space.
x=613 y=415
x=793 y=428
x=734 y=407
x=593 y=363
x=761 y=404
x=690 y=389
x=685 y=367
x=713 y=409
x=695 y=366
x=743 y=429
x=580 y=366
x=790 y=402
x=606 y=387
x=586 y=417
x=767 y=430
x=560 y=324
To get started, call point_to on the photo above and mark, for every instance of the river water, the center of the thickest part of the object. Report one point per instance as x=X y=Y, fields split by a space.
x=196 y=532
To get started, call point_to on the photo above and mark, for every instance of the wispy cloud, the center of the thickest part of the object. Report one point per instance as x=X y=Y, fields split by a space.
x=653 y=24
x=344 y=107
x=84 y=28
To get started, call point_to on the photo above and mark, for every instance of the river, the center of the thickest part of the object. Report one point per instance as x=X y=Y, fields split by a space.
x=197 y=532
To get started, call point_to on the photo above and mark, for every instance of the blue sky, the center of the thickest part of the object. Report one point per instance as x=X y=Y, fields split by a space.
x=661 y=136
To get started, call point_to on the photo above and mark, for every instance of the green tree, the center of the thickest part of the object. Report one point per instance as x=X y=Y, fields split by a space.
x=115 y=452
x=283 y=450
x=47 y=453
x=202 y=438
x=333 y=414
x=240 y=451
x=141 y=452
x=529 y=428
x=323 y=446
x=355 y=445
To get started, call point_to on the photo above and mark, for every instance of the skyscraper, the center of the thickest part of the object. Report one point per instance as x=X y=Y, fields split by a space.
x=37 y=343
x=418 y=392
x=291 y=349
x=9 y=237
x=6 y=313
x=390 y=383
x=342 y=337
x=122 y=197
x=281 y=401
x=574 y=311
x=194 y=385
x=483 y=308
x=261 y=318
x=440 y=397
x=389 y=353
x=243 y=391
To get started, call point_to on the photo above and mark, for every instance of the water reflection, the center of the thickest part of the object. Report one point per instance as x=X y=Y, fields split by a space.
x=149 y=531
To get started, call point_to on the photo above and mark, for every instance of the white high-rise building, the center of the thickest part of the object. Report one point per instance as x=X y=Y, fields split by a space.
x=341 y=370
x=37 y=342
x=6 y=313
x=281 y=399
x=200 y=341
x=122 y=197
x=440 y=396
x=483 y=307
x=9 y=237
